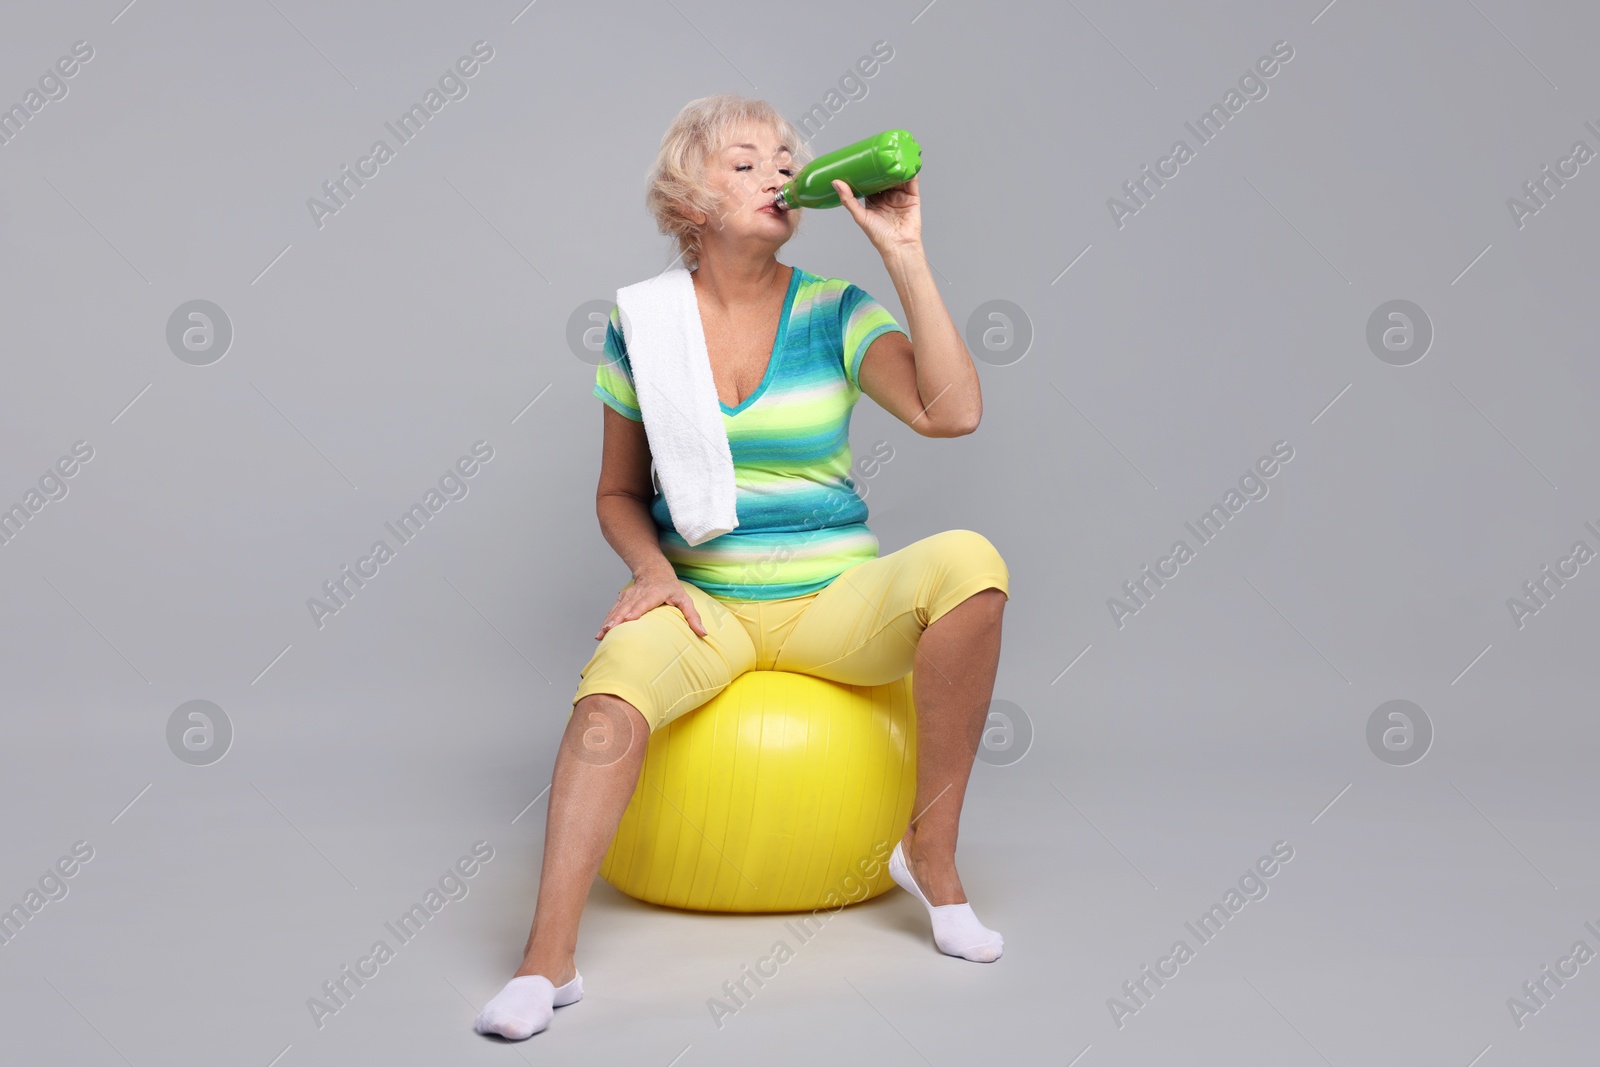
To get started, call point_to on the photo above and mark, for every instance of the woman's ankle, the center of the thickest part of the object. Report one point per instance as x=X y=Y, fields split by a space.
x=558 y=971
x=933 y=869
x=926 y=851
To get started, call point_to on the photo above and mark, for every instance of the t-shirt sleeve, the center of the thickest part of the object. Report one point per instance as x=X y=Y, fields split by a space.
x=862 y=320
x=613 y=379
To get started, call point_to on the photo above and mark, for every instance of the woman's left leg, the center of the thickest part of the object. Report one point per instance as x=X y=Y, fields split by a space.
x=933 y=608
x=951 y=686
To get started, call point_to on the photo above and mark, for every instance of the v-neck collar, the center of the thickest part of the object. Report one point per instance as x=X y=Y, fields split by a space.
x=777 y=348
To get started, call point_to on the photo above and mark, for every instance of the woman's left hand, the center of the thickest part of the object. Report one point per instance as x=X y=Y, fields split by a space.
x=891 y=219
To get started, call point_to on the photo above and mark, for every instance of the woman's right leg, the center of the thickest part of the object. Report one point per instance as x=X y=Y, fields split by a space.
x=644 y=673
x=596 y=771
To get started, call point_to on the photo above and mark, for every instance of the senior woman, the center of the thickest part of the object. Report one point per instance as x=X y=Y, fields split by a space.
x=799 y=585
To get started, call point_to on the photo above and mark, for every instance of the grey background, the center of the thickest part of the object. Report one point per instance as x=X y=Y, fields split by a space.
x=1230 y=713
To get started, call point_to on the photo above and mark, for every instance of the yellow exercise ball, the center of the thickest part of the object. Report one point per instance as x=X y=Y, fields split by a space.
x=784 y=792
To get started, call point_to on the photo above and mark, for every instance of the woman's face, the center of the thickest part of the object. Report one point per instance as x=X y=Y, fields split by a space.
x=746 y=175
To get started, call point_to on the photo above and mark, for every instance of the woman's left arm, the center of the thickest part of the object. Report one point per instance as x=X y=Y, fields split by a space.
x=932 y=386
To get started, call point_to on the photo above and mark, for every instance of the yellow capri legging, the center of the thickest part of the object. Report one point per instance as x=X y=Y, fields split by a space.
x=860 y=629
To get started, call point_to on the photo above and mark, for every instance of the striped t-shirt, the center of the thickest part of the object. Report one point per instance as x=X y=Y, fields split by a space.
x=801 y=521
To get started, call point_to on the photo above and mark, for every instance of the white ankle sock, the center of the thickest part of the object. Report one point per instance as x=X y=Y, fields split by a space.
x=956 y=930
x=525 y=1005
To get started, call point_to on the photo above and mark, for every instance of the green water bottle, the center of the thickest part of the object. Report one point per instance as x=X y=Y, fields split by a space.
x=870 y=166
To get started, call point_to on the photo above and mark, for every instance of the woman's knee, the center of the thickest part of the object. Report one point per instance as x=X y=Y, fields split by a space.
x=661 y=668
x=620 y=710
x=604 y=728
x=970 y=552
x=614 y=670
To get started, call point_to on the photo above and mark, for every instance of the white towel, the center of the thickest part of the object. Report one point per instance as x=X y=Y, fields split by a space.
x=678 y=398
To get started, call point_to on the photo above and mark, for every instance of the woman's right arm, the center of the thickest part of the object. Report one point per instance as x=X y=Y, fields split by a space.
x=622 y=502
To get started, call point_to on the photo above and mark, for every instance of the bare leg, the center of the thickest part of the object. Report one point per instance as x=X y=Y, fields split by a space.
x=952 y=683
x=596 y=771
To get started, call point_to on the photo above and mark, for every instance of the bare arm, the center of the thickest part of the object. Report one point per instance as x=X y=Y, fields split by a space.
x=933 y=387
x=622 y=500
x=622 y=503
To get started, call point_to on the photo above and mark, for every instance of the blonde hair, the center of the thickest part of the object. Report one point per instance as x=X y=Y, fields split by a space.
x=675 y=185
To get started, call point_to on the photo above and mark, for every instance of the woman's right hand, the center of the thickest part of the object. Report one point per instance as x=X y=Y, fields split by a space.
x=649 y=592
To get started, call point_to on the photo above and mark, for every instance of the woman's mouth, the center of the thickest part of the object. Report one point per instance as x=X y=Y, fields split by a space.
x=770 y=209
